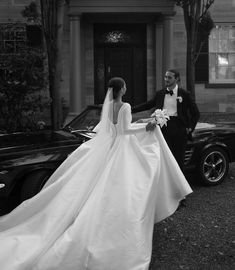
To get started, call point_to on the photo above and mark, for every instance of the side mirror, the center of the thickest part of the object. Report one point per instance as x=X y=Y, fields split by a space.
x=41 y=125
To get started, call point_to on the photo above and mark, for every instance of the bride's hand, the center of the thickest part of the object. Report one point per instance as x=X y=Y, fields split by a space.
x=150 y=126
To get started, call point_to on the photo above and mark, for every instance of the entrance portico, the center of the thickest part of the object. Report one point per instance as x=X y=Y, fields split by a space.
x=86 y=15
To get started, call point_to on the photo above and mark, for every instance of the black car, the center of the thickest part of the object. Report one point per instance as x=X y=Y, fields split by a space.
x=28 y=159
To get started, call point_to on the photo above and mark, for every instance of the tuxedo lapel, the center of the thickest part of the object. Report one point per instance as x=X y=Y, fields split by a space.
x=160 y=99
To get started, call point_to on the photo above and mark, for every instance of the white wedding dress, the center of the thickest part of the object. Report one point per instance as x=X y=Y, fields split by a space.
x=98 y=209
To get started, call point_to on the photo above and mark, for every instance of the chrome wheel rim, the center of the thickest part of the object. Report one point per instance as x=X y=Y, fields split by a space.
x=214 y=166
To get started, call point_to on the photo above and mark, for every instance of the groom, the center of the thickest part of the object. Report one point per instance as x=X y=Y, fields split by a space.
x=182 y=110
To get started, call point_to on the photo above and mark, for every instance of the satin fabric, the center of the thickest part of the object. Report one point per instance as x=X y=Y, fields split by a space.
x=98 y=209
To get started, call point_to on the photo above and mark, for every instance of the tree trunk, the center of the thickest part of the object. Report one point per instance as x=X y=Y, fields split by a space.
x=190 y=72
x=52 y=21
x=190 y=65
x=58 y=64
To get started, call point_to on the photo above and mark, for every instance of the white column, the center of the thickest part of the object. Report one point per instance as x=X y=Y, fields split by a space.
x=75 y=68
x=159 y=55
x=167 y=43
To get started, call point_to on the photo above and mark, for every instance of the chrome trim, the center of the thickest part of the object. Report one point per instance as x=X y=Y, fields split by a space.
x=3 y=172
x=2 y=185
x=188 y=155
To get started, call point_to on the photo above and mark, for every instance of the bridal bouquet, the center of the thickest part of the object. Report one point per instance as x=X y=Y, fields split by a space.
x=160 y=117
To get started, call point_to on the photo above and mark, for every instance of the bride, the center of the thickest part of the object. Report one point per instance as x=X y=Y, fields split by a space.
x=98 y=209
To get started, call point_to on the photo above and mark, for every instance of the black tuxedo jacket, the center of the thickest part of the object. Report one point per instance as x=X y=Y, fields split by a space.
x=187 y=109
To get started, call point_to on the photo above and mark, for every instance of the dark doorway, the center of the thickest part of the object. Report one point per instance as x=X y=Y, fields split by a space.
x=120 y=50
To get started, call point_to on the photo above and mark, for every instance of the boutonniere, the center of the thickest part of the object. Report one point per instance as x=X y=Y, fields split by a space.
x=180 y=99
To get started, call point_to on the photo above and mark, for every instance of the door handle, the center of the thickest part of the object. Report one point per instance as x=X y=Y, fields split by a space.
x=109 y=69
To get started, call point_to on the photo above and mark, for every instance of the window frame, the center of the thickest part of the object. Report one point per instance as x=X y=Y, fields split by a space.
x=207 y=82
x=218 y=83
x=9 y=34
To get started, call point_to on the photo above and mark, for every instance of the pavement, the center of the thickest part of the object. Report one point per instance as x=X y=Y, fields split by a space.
x=199 y=236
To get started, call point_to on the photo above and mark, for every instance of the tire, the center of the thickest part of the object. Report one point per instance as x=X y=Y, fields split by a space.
x=33 y=183
x=213 y=166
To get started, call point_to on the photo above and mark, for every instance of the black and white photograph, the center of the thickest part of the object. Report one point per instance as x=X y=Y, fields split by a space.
x=117 y=134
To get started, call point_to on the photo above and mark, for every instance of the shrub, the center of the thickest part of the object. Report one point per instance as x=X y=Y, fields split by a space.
x=23 y=95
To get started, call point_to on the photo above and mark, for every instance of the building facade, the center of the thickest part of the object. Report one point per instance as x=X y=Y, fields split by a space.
x=138 y=40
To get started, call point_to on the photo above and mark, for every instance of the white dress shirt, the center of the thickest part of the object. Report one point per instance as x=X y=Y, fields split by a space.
x=170 y=102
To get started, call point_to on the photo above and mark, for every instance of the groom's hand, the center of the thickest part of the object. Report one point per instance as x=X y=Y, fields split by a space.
x=150 y=126
x=189 y=130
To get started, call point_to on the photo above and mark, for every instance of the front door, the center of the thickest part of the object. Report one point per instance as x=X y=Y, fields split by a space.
x=118 y=63
x=121 y=59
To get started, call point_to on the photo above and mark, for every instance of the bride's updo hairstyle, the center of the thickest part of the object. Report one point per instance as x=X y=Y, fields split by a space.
x=116 y=83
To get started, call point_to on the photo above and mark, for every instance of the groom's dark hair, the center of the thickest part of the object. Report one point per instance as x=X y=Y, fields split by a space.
x=176 y=73
x=116 y=83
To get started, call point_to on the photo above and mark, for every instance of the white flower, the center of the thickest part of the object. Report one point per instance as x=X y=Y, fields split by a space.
x=161 y=117
x=180 y=99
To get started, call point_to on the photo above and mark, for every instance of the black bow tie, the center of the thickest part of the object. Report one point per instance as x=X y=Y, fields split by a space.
x=169 y=92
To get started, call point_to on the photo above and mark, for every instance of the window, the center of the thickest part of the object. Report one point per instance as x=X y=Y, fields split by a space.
x=12 y=37
x=119 y=34
x=222 y=54
x=16 y=37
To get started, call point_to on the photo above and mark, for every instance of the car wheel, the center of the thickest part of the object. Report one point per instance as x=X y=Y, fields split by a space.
x=213 y=166
x=33 y=183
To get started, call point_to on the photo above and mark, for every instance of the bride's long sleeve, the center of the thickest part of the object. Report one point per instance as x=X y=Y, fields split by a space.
x=128 y=127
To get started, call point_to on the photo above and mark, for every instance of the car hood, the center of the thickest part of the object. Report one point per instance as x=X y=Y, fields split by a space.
x=33 y=140
x=203 y=129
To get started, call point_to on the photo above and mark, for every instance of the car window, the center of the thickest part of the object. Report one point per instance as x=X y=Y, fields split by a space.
x=87 y=120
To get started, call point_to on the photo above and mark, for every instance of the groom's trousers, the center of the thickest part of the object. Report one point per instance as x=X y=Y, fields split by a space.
x=175 y=135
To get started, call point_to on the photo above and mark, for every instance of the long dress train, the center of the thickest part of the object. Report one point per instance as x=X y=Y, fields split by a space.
x=98 y=209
